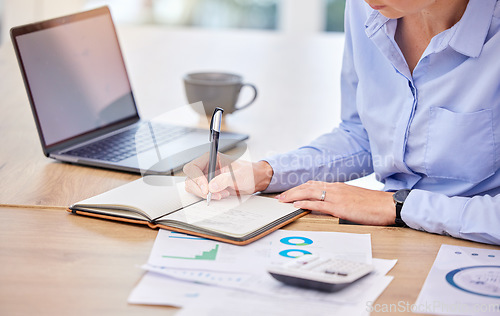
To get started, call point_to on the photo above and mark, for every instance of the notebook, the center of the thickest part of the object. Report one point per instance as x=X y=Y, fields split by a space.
x=162 y=202
x=83 y=104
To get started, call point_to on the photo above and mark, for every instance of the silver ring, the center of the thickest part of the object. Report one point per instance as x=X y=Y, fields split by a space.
x=323 y=195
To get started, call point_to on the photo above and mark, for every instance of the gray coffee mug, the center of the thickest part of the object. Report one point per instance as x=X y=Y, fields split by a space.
x=216 y=89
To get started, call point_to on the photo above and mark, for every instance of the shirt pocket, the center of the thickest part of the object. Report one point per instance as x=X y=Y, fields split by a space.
x=460 y=146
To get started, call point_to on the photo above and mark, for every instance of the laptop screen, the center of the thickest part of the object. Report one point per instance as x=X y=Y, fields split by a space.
x=75 y=74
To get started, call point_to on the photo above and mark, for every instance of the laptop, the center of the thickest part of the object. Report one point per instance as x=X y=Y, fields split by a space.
x=83 y=105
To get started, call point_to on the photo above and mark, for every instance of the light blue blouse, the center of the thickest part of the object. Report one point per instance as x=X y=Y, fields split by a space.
x=436 y=131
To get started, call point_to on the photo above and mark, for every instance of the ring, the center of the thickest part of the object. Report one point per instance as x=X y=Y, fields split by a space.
x=323 y=195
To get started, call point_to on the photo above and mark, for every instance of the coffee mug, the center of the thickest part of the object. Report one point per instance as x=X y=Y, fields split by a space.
x=216 y=89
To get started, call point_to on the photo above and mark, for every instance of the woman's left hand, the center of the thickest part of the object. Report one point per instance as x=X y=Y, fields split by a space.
x=344 y=201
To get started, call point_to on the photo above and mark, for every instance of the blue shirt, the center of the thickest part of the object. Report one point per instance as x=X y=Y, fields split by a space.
x=436 y=131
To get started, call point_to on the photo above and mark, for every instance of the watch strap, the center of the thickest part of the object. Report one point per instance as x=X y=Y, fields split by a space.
x=399 y=199
x=399 y=222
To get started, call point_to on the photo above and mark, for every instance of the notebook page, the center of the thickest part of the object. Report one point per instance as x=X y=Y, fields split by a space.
x=152 y=196
x=229 y=216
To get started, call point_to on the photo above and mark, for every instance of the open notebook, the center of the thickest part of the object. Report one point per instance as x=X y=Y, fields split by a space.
x=162 y=202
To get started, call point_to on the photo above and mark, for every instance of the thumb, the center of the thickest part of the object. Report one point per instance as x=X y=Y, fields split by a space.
x=220 y=182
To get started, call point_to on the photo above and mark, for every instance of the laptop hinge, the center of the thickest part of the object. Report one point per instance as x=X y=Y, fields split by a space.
x=63 y=158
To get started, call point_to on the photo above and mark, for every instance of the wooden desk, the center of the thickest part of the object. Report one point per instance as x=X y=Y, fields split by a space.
x=55 y=263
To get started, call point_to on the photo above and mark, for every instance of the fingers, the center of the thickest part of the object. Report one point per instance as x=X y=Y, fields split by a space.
x=192 y=187
x=319 y=206
x=231 y=177
x=345 y=201
x=196 y=182
x=311 y=190
x=221 y=182
x=237 y=177
x=220 y=195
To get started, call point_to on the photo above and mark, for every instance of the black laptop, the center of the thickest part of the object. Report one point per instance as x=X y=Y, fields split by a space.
x=82 y=101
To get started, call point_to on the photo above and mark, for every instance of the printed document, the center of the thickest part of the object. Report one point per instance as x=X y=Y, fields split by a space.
x=462 y=281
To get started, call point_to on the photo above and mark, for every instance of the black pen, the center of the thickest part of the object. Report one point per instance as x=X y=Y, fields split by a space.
x=214 y=145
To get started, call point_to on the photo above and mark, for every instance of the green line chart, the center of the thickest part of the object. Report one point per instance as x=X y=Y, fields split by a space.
x=205 y=255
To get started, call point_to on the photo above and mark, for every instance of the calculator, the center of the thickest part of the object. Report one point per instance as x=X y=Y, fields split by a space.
x=323 y=274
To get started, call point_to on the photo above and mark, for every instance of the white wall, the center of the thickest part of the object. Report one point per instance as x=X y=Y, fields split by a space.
x=302 y=16
x=1 y=21
x=297 y=16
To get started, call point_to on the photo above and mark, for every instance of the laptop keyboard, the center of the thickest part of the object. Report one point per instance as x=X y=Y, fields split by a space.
x=130 y=142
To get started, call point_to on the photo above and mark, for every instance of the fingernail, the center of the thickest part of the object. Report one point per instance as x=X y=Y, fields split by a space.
x=277 y=197
x=204 y=188
x=282 y=197
x=297 y=204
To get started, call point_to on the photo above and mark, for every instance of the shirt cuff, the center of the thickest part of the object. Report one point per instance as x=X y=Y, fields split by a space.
x=434 y=212
x=279 y=181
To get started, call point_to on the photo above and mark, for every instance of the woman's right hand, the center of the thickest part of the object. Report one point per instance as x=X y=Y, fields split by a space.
x=232 y=177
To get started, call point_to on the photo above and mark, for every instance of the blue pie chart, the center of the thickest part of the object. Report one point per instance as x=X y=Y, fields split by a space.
x=478 y=280
x=294 y=253
x=296 y=241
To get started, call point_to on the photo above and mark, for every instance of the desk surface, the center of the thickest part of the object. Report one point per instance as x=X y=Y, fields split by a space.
x=55 y=263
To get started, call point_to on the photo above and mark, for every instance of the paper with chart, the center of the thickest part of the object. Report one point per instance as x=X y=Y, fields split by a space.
x=175 y=250
x=156 y=289
x=199 y=299
x=247 y=304
x=262 y=283
x=462 y=281
x=204 y=261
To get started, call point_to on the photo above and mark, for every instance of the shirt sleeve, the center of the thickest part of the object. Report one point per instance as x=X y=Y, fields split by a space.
x=474 y=218
x=342 y=155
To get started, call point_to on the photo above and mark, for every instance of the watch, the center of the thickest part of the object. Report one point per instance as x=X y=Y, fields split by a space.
x=399 y=198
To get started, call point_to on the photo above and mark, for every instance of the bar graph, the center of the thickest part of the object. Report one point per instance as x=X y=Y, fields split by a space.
x=205 y=255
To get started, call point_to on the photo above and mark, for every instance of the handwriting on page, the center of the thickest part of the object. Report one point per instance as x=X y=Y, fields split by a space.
x=231 y=216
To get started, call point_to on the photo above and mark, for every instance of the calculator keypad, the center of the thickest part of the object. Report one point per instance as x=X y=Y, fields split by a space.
x=324 y=273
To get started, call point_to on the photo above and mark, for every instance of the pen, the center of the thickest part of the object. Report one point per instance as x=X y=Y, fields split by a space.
x=214 y=145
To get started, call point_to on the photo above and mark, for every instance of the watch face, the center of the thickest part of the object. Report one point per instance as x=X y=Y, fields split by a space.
x=400 y=196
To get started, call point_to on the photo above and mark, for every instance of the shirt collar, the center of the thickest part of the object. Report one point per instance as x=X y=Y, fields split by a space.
x=374 y=22
x=470 y=32
x=473 y=27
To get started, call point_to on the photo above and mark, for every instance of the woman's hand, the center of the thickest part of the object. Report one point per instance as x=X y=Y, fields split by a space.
x=344 y=201
x=232 y=177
